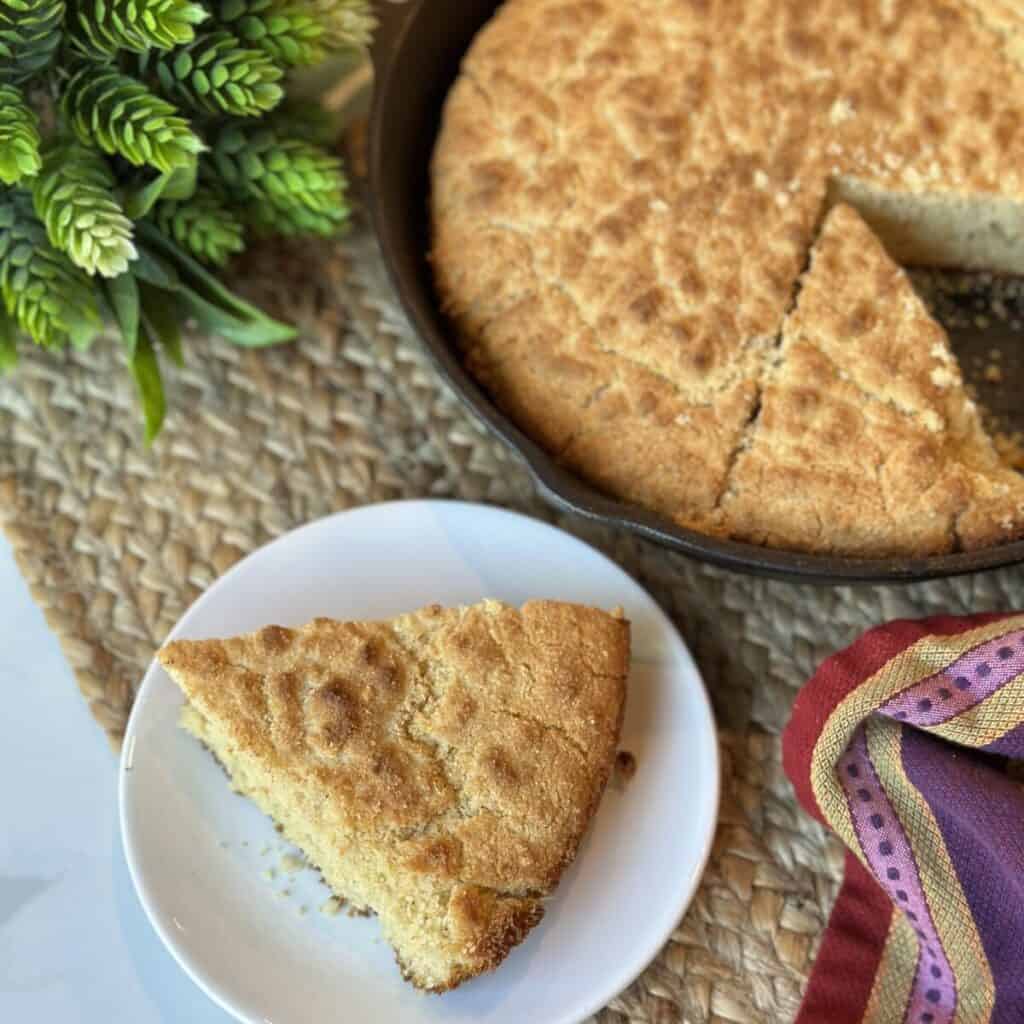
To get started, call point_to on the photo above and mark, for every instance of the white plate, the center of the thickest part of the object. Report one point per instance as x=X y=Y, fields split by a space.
x=198 y=853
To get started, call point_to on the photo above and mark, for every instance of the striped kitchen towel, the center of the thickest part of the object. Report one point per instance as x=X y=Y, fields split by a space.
x=906 y=745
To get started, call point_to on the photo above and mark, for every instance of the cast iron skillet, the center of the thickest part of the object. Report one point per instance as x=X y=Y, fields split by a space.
x=416 y=58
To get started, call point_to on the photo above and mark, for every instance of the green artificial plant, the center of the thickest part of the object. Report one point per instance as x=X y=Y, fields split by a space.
x=141 y=143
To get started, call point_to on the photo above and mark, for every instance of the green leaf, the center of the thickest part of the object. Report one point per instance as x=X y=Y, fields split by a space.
x=247 y=333
x=149 y=384
x=182 y=182
x=160 y=318
x=195 y=274
x=213 y=304
x=8 y=344
x=139 y=200
x=123 y=295
x=177 y=184
x=155 y=270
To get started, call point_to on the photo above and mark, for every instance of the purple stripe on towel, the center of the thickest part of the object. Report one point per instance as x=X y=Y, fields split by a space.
x=979 y=812
x=891 y=859
x=969 y=680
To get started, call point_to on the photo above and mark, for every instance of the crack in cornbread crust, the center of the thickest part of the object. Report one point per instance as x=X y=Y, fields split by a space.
x=619 y=230
x=864 y=386
x=440 y=768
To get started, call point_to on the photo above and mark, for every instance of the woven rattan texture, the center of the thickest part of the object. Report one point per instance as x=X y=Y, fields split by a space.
x=115 y=541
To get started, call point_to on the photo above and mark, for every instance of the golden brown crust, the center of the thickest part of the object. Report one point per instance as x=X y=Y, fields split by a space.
x=867 y=443
x=465 y=748
x=624 y=198
x=489 y=925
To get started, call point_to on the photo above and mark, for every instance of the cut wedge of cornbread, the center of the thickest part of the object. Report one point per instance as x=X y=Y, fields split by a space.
x=867 y=442
x=439 y=769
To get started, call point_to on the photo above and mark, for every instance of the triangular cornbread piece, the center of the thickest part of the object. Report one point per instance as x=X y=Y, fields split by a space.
x=439 y=769
x=867 y=441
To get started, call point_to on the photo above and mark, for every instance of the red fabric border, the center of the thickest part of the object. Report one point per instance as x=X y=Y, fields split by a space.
x=848 y=960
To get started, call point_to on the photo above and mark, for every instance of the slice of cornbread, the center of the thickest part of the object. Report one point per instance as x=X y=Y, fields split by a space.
x=439 y=769
x=867 y=442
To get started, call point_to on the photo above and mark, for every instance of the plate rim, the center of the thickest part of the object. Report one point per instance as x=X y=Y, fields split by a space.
x=707 y=724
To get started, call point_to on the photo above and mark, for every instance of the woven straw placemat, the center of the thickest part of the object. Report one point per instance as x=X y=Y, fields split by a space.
x=115 y=541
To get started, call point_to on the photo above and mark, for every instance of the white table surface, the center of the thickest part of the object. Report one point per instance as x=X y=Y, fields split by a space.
x=75 y=947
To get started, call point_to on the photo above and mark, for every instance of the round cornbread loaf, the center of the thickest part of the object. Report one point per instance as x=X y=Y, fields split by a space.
x=626 y=197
